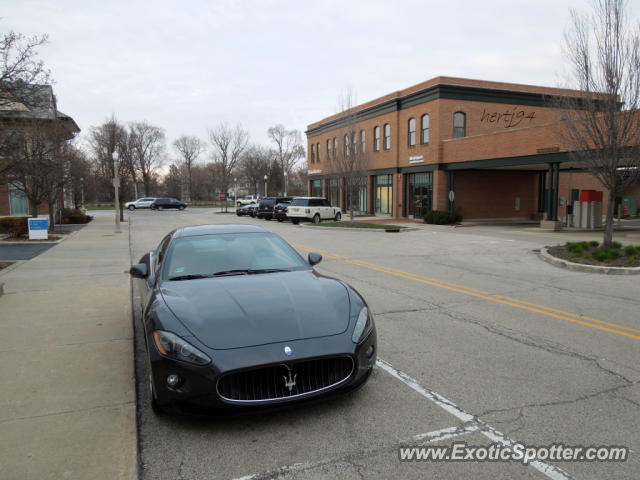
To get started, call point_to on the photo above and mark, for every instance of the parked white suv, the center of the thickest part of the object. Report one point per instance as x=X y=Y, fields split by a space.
x=140 y=203
x=247 y=200
x=314 y=209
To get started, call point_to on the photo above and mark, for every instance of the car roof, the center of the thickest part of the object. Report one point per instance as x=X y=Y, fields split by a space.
x=218 y=230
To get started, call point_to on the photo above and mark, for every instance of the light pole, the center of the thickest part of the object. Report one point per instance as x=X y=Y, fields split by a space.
x=285 y=184
x=116 y=185
x=265 y=185
x=82 y=193
x=235 y=191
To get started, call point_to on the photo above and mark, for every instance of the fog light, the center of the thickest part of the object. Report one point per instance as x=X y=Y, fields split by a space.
x=173 y=380
x=369 y=352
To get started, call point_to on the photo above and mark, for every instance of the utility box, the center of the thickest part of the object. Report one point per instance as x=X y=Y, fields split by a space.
x=38 y=228
x=629 y=206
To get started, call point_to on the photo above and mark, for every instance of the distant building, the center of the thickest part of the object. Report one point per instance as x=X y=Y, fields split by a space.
x=488 y=149
x=12 y=117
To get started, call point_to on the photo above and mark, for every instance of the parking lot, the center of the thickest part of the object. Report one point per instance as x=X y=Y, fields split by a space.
x=479 y=342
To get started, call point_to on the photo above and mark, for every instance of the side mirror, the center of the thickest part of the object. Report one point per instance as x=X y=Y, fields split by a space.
x=139 y=270
x=314 y=258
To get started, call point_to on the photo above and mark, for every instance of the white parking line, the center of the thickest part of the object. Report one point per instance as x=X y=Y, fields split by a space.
x=488 y=431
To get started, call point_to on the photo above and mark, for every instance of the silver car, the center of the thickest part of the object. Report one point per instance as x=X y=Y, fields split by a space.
x=140 y=203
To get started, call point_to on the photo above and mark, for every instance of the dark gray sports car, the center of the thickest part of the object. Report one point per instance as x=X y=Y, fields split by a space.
x=234 y=318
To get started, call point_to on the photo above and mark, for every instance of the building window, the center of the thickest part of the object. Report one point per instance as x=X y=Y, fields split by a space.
x=387 y=136
x=329 y=149
x=354 y=142
x=318 y=151
x=459 y=124
x=384 y=193
x=316 y=188
x=412 y=132
x=362 y=141
x=335 y=147
x=346 y=145
x=425 y=129
x=313 y=153
x=376 y=139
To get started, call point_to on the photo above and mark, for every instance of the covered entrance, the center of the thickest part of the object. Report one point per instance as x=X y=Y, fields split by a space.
x=420 y=191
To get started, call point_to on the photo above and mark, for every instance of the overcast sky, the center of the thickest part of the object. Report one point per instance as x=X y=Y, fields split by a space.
x=186 y=66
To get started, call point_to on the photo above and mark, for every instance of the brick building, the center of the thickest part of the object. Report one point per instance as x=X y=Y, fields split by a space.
x=15 y=116
x=487 y=149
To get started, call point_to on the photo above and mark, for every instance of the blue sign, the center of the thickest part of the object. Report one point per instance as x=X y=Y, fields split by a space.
x=38 y=224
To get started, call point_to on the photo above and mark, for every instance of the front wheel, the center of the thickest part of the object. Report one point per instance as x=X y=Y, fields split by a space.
x=131 y=207
x=181 y=207
x=160 y=207
x=316 y=218
x=295 y=221
x=338 y=217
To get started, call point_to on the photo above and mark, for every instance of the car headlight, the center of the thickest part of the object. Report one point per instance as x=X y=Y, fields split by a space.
x=364 y=324
x=174 y=347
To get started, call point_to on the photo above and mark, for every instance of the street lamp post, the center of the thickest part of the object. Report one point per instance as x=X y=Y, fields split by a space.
x=265 y=185
x=235 y=191
x=82 y=193
x=285 y=184
x=116 y=185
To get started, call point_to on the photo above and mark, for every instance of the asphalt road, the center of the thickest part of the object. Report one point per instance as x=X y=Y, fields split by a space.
x=479 y=342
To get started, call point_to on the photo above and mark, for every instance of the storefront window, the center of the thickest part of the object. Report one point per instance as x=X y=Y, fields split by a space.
x=316 y=188
x=334 y=192
x=384 y=193
x=420 y=194
x=17 y=200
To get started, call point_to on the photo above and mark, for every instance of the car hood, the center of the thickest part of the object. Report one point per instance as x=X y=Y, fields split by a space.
x=247 y=310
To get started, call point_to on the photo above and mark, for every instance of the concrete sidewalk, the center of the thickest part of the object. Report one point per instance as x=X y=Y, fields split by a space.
x=67 y=403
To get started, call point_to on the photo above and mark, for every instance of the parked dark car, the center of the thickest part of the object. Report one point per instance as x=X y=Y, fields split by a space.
x=300 y=336
x=162 y=203
x=246 y=209
x=280 y=211
x=265 y=210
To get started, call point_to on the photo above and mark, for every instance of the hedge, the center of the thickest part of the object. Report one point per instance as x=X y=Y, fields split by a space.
x=440 y=217
x=14 y=226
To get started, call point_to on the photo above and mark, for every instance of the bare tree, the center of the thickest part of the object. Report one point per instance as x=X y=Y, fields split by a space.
x=38 y=169
x=20 y=71
x=602 y=125
x=148 y=145
x=353 y=162
x=228 y=146
x=253 y=166
x=189 y=149
x=288 y=147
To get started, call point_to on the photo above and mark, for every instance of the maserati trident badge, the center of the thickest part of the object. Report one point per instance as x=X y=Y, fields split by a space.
x=288 y=351
x=290 y=382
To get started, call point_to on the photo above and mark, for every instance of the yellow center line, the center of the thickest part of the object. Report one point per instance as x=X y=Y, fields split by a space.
x=501 y=299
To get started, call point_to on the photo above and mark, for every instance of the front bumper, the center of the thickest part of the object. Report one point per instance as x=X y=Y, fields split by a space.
x=198 y=390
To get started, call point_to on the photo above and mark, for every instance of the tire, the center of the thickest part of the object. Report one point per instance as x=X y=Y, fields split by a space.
x=153 y=208
x=238 y=204
x=238 y=214
x=160 y=207
x=280 y=219
x=181 y=207
x=316 y=218
x=295 y=221
x=338 y=217
x=131 y=208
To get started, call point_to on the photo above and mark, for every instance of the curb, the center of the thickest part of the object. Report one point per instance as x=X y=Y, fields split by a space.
x=376 y=230
x=579 y=267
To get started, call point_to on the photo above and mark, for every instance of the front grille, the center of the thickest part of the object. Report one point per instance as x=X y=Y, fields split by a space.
x=285 y=381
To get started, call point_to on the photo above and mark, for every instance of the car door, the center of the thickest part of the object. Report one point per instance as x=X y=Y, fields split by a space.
x=144 y=202
x=327 y=211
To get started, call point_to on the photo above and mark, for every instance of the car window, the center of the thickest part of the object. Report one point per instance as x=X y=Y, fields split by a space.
x=299 y=202
x=314 y=202
x=209 y=254
x=325 y=202
x=160 y=253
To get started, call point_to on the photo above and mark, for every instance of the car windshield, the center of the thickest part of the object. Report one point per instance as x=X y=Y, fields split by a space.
x=230 y=254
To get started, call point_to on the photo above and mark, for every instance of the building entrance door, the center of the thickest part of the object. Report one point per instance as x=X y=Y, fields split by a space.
x=420 y=194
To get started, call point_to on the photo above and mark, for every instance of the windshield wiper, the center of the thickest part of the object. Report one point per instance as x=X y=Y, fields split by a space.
x=192 y=276
x=267 y=270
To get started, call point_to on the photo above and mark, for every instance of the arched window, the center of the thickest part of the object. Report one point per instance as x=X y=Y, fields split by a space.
x=346 y=145
x=412 y=132
x=329 y=149
x=387 y=136
x=335 y=147
x=354 y=142
x=362 y=141
x=318 y=151
x=376 y=139
x=425 y=129
x=459 y=124
x=313 y=153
